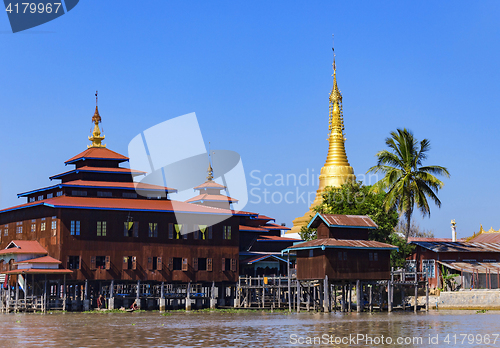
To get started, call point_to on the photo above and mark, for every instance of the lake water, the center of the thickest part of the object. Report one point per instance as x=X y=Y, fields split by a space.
x=251 y=329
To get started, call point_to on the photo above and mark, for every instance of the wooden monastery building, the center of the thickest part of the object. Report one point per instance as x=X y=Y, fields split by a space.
x=97 y=225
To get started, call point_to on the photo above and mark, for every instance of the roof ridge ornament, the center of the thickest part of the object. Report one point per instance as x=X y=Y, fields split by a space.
x=96 y=137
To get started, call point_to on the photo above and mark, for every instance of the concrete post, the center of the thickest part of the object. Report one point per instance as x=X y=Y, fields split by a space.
x=350 y=298
x=416 y=298
x=188 y=300
x=298 y=296
x=389 y=296
x=326 y=296
x=370 y=299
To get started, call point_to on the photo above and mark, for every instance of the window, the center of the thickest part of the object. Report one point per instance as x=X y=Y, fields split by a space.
x=75 y=228
x=345 y=255
x=411 y=266
x=50 y=195
x=170 y=231
x=185 y=236
x=79 y=193
x=101 y=228
x=73 y=262
x=32 y=199
x=129 y=262
x=42 y=226
x=202 y=264
x=209 y=265
x=226 y=264
x=40 y=198
x=375 y=256
x=233 y=265
x=210 y=234
x=130 y=229
x=6 y=232
x=226 y=232
x=370 y=256
x=311 y=253
x=19 y=229
x=203 y=231
x=184 y=265
x=59 y=193
x=104 y=194
x=178 y=228
x=129 y=195
x=153 y=229
x=195 y=264
x=54 y=224
x=153 y=263
x=428 y=266
x=33 y=227
x=100 y=262
x=177 y=264
x=340 y=255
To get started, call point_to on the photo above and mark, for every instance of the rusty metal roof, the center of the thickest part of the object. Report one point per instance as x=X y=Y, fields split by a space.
x=341 y=243
x=453 y=247
x=486 y=238
x=97 y=153
x=339 y=220
x=480 y=267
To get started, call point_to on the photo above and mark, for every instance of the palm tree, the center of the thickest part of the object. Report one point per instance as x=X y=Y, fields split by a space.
x=405 y=180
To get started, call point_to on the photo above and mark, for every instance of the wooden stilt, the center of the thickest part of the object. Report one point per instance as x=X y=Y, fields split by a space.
x=343 y=304
x=16 y=303
x=326 y=295
x=370 y=297
x=389 y=296
x=416 y=296
x=350 y=298
x=64 y=292
x=426 y=294
x=289 y=282
x=298 y=296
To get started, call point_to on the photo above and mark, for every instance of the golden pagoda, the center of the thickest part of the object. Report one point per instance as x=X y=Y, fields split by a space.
x=96 y=137
x=336 y=170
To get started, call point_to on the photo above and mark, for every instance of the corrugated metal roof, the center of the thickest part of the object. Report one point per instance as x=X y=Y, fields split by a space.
x=271 y=226
x=453 y=247
x=209 y=185
x=342 y=243
x=425 y=239
x=481 y=267
x=486 y=238
x=339 y=220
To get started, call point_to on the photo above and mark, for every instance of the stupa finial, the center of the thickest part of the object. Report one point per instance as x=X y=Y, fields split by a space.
x=96 y=137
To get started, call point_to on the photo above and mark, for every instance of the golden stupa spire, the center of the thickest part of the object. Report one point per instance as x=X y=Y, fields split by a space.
x=336 y=170
x=96 y=137
x=210 y=171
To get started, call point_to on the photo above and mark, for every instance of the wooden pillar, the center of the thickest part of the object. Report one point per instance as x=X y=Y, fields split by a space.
x=16 y=304
x=25 y=292
x=349 y=303
x=334 y=298
x=308 y=303
x=359 y=296
x=416 y=296
x=342 y=305
x=389 y=296
x=426 y=294
x=289 y=282
x=298 y=296
x=326 y=295
x=403 y=295
x=45 y=294
x=279 y=291
x=370 y=297
x=263 y=293
x=64 y=292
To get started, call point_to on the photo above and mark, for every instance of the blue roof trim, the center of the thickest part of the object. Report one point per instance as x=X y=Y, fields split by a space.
x=24 y=194
x=95 y=158
x=76 y=171
x=323 y=247
x=343 y=226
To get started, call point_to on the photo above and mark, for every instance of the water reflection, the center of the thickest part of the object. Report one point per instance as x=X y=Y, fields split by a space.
x=248 y=329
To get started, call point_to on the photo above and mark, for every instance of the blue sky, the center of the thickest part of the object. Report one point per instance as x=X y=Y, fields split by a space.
x=258 y=75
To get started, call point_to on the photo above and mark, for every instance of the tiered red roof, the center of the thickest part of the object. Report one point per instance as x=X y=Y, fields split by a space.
x=98 y=153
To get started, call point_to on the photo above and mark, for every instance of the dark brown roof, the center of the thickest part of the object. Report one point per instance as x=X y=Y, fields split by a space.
x=338 y=220
x=100 y=169
x=98 y=153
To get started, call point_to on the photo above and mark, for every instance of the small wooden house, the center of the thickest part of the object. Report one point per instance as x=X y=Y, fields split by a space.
x=342 y=251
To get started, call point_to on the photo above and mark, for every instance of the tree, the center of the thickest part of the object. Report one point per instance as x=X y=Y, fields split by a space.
x=415 y=230
x=353 y=198
x=405 y=180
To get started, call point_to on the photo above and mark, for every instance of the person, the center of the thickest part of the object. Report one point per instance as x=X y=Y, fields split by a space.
x=134 y=305
x=100 y=302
